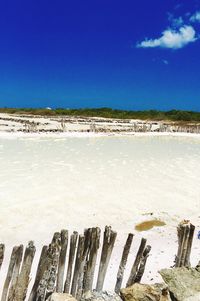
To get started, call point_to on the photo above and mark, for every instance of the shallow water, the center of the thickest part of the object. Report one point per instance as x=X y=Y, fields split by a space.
x=47 y=184
x=149 y=224
x=92 y=180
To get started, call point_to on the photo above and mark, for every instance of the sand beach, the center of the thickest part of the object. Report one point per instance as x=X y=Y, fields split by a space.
x=73 y=180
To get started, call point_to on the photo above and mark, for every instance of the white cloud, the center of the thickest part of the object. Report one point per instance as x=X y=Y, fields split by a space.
x=170 y=38
x=195 y=17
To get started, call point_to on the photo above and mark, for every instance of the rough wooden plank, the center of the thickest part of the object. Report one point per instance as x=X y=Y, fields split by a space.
x=91 y=260
x=108 y=244
x=136 y=263
x=24 y=275
x=84 y=253
x=180 y=231
x=54 y=253
x=62 y=259
x=2 y=250
x=189 y=245
x=39 y=273
x=123 y=262
x=87 y=246
x=77 y=266
x=142 y=264
x=19 y=254
x=184 y=245
x=185 y=232
x=73 y=242
x=49 y=269
x=9 y=274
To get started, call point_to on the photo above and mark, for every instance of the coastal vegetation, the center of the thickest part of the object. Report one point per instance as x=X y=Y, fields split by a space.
x=172 y=115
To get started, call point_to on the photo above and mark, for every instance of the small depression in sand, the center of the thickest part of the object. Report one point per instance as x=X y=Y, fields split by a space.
x=147 y=225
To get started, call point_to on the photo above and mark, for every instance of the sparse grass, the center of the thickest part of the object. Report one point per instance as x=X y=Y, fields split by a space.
x=172 y=115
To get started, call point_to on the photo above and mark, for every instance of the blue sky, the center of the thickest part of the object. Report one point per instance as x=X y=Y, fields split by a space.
x=131 y=54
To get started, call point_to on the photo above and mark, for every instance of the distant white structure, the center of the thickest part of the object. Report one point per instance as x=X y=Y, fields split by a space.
x=48 y=108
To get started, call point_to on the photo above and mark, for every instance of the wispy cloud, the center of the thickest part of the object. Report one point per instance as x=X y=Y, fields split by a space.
x=177 y=6
x=171 y=38
x=175 y=22
x=195 y=17
x=166 y=62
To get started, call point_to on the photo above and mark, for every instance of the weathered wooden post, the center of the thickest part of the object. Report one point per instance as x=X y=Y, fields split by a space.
x=19 y=254
x=123 y=262
x=91 y=260
x=185 y=232
x=143 y=261
x=136 y=263
x=73 y=242
x=9 y=274
x=79 y=256
x=54 y=254
x=24 y=275
x=48 y=270
x=108 y=244
x=62 y=259
x=189 y=245
x=2 y=250
x=39 y=273
x=83 y=262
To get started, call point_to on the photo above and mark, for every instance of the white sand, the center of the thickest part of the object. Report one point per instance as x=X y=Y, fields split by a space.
x=77 y=180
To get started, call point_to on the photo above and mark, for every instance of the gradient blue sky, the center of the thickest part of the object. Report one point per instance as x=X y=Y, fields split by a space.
x=130 y=54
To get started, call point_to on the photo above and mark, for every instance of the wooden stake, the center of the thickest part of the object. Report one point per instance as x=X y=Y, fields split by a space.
x=49 y=270
x=92 y=258
x=123 y=262
x=86 y=255
x=185 y=236
x=108 y=244
x=136 y=263
x=19 y=254
x=142 y=264
x=2 y=250
x=62 y=259
x=189 y=245
x=73 y=242
x=24 y=276
x=83 y=256
x=54 y=254
x=9 y=274
x=78 y=261
x=39 y=274
x=184 y=245
x=180 y=231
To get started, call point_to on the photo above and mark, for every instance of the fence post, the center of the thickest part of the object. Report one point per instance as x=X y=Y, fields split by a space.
x=39 y=273
x=2 y=250
x=77 y=266
x=142 y=264
x=19 y=254
x=73 y=242
x=123 y=262
x=108 y=244
x=136 y=263
x=185 y=232
x=24 y=276
x=9 y=273
x=92 y=258
x=62 y=259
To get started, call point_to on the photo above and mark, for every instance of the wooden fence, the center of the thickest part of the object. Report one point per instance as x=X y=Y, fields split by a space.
x=80 y=264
